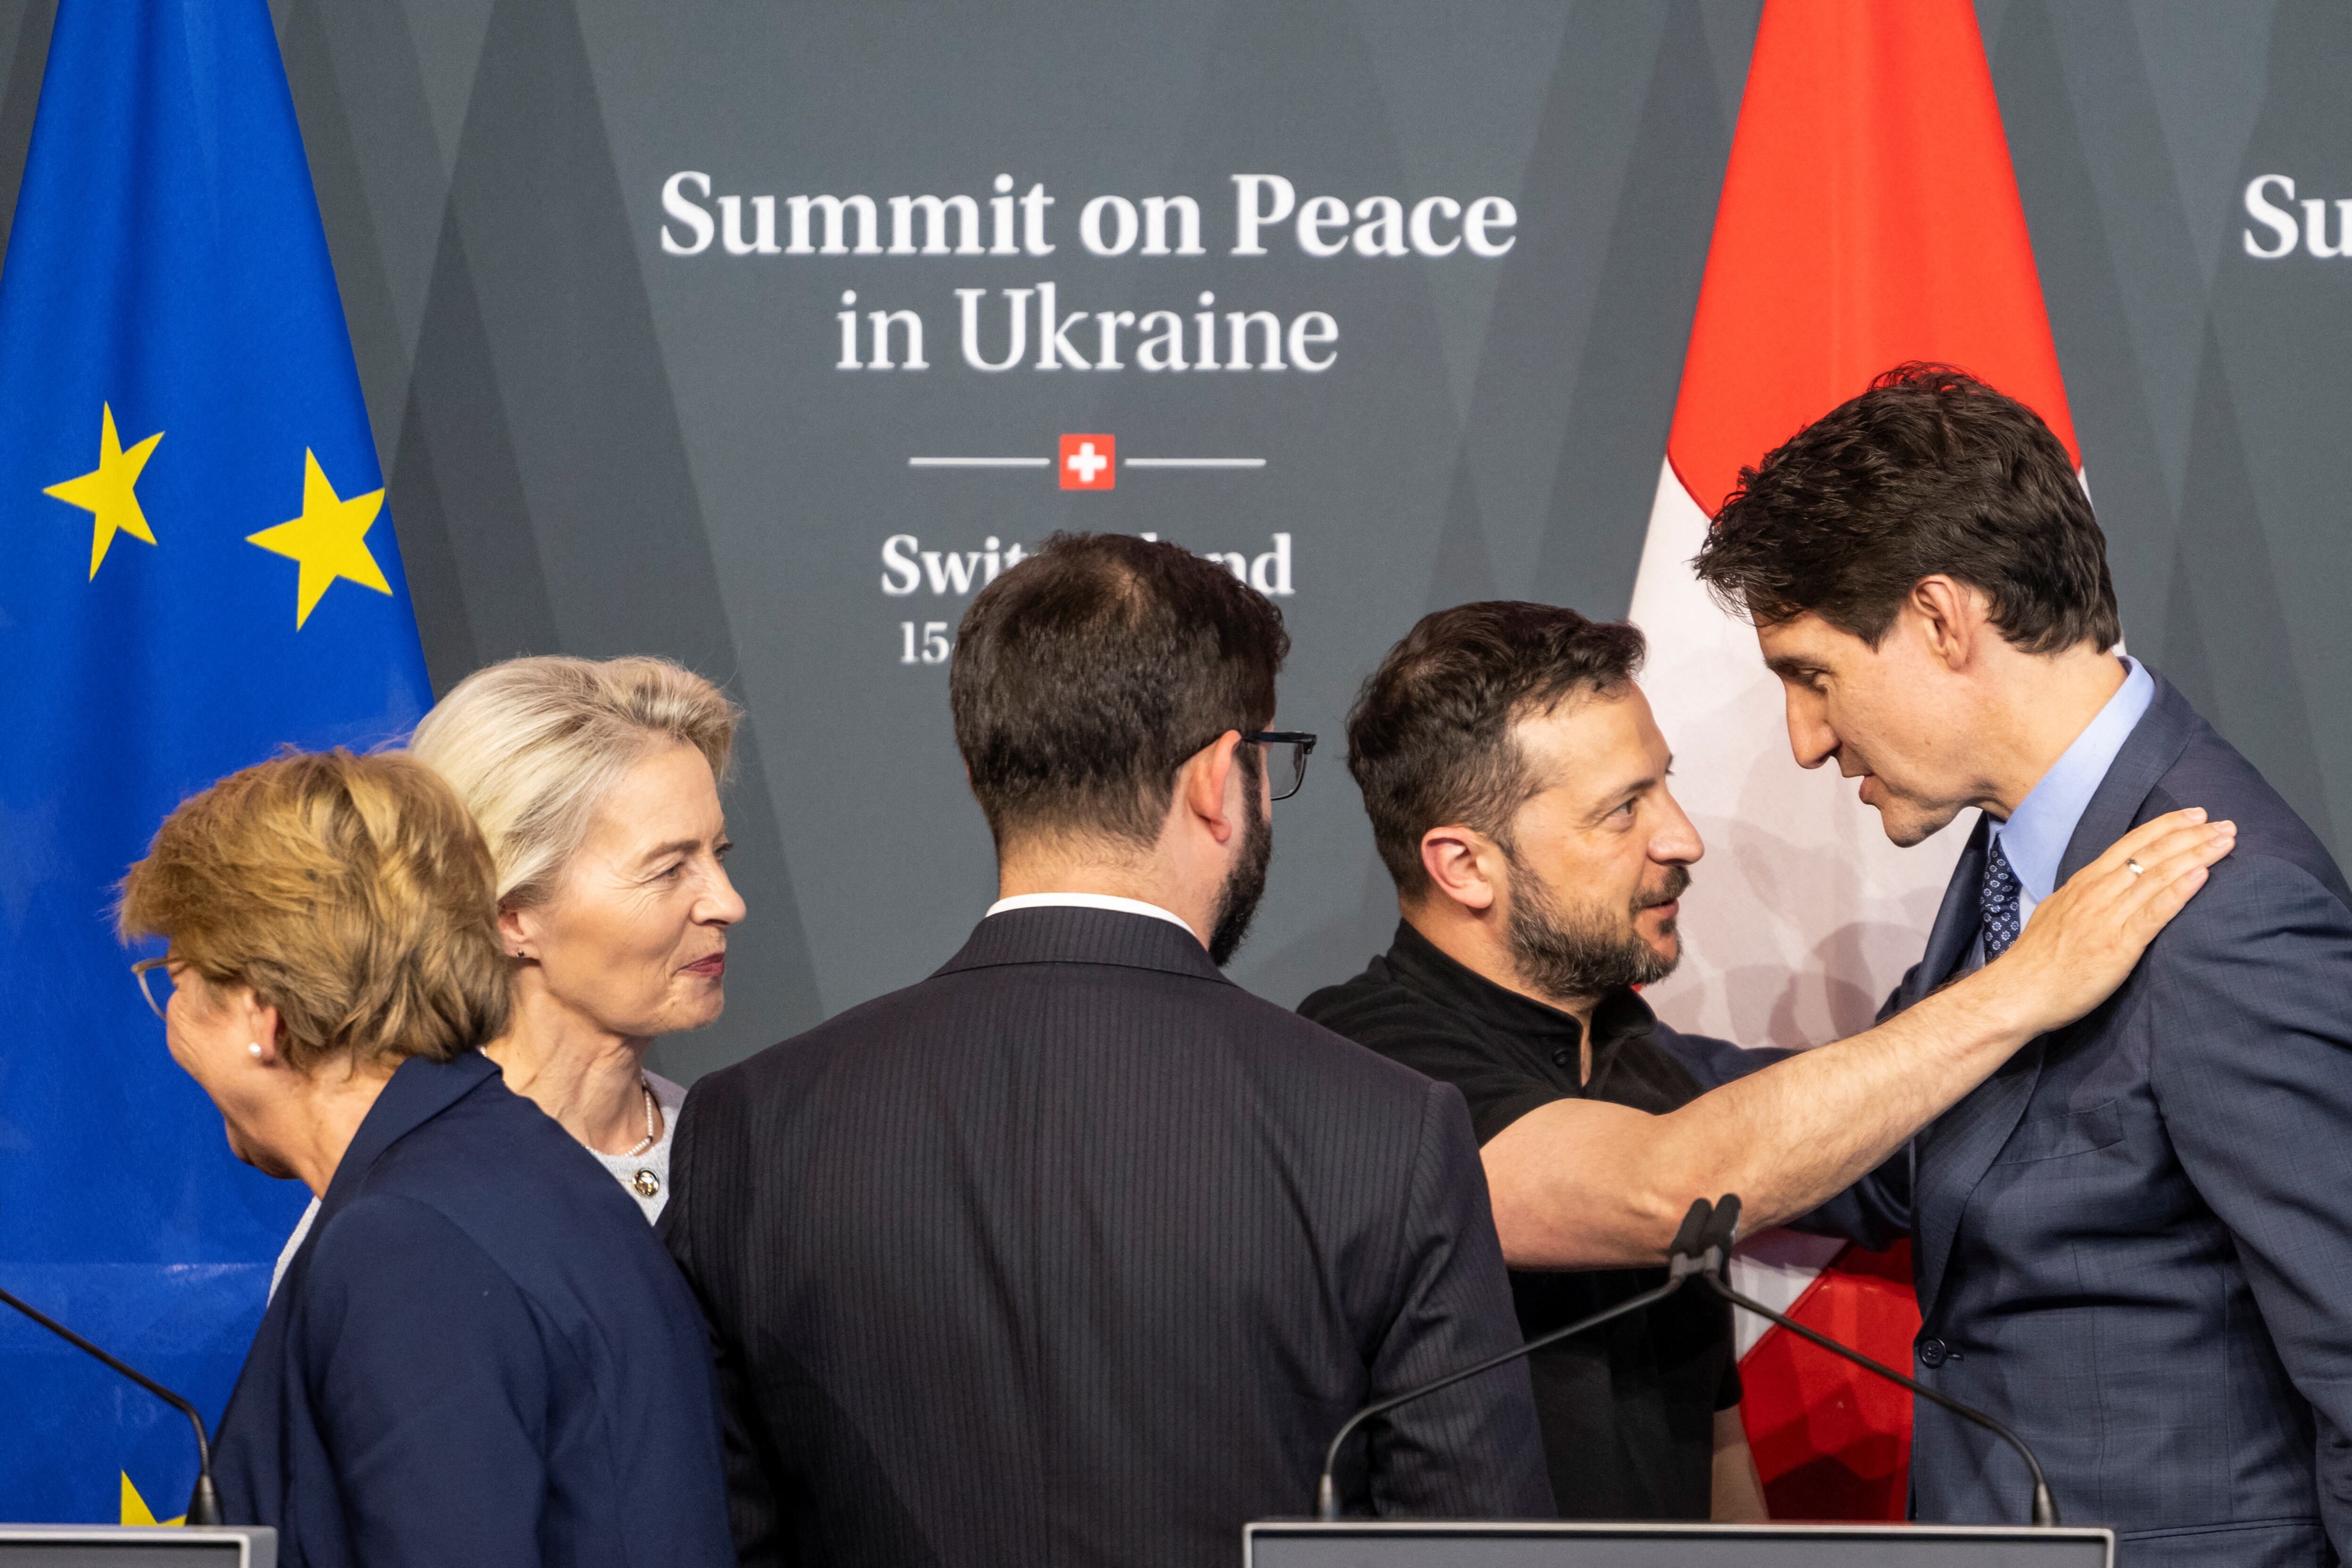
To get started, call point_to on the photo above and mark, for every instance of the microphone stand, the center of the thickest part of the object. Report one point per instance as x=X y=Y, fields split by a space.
x=2045 y=1506
x=1687 y=1257
x=203 y=1504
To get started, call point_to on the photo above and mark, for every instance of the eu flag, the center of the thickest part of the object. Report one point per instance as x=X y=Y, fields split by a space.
x=197 y=570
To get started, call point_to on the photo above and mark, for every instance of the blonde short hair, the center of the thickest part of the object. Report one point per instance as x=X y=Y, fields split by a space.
x=531 y=747
x=351 y=893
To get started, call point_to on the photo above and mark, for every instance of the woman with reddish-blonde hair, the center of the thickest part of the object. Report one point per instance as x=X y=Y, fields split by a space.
x=479 y=1352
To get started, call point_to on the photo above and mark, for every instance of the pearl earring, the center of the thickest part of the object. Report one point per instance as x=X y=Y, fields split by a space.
x=255 y=1048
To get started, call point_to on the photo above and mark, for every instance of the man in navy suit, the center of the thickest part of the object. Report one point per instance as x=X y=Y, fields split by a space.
x=2134 y=1241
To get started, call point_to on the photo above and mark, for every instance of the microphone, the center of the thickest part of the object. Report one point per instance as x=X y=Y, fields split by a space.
x=1686 y=1257
x=1716 y=1243
x=203 y=1504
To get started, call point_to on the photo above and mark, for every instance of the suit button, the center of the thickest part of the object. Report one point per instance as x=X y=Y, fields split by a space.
x=1561 y=1058
x=1934 y=1352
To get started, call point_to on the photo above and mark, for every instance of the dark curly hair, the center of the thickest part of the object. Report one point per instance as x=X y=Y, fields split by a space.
x=1429 y=739
x=1929 y=472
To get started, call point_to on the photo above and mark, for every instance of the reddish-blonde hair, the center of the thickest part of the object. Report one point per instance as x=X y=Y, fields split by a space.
x=354 y=894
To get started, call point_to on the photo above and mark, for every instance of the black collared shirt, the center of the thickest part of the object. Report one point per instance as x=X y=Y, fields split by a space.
x=1628 y=1410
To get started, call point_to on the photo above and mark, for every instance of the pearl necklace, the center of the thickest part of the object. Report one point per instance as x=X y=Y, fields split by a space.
x=652 y=1136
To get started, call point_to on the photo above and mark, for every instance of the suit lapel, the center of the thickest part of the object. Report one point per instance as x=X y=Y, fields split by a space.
x=1959 y=1147
x=1956 y=920
x=2153 y=745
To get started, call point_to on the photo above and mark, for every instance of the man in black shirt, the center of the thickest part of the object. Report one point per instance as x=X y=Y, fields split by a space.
x=1517 y=787
x=1641 y=1417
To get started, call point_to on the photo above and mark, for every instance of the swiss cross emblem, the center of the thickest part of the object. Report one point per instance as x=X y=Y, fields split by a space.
x=1089 y=462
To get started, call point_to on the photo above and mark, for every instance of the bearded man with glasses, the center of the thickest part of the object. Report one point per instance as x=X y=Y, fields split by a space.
x=1077 y=1252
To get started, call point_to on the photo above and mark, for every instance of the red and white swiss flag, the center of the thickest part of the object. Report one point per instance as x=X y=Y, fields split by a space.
x=1869 y=216
x=1089 y=462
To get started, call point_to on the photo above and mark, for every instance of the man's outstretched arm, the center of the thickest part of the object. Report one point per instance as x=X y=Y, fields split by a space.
x=1580 y=1184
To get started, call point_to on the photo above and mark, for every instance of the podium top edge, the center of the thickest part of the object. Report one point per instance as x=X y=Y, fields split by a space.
x=1792 y=1529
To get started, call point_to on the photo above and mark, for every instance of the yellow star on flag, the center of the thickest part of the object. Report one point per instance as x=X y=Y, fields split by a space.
x=329 y=539
x=108 y=492
x=135 y=1509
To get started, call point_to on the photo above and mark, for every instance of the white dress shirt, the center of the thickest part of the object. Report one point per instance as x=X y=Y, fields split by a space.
x=1090 y=902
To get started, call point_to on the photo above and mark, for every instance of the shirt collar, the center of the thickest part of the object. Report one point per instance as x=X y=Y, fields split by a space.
x=1430 y=969
x=2035 y=836
x=1089 y=902
x=421 y=1089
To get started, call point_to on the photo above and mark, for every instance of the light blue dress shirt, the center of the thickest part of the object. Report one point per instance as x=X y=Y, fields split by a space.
x=2036 y=834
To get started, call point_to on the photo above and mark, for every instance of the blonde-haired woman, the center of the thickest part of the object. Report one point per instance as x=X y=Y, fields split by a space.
x=597 y=784
x=480 y=1354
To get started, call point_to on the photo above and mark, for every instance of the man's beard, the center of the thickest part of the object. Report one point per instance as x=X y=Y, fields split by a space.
x=1584 y=951
x=1245 y=884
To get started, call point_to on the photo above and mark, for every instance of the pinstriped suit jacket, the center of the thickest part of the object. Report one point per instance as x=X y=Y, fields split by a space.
x=1078 y=1253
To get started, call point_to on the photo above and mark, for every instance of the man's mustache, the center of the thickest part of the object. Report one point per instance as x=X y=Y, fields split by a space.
x=1678 y=879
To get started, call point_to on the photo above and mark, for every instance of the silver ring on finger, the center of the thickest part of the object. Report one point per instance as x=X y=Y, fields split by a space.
x=2136 y=869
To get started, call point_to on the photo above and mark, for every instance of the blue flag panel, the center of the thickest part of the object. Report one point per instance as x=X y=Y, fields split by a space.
x=196 y=570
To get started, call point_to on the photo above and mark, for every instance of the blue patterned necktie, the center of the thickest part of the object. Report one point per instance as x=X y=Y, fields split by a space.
x=1998 y=901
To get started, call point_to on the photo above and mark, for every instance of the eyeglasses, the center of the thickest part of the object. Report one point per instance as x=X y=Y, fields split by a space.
x=161 y=973
x=1285 y=758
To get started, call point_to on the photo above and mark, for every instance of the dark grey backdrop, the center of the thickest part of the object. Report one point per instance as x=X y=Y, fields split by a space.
x=598 y=447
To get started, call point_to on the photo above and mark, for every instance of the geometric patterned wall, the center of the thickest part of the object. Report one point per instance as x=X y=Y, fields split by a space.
x=594 y=446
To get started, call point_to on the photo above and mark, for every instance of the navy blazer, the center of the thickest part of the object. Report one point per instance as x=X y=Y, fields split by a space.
x=2134 y=1242
x=1078 y=1253
x=480 y=1354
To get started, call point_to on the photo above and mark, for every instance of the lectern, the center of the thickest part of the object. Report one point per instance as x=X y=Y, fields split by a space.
x=137 y=1546
x=1428 y=1544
